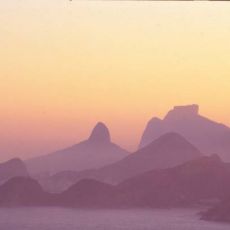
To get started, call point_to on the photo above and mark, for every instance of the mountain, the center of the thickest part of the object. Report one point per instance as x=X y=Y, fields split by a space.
x=23 y=191
x=201 y=181
x=167 y=151
x=12 y=168
x=95 y=152
x=88 y=193
x=208 y=136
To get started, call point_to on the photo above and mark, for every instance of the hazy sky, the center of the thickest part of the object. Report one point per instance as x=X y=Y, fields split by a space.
x=66 y=65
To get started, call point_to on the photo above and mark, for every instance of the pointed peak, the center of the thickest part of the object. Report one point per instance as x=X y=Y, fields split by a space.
x=100 y=133
x=174 y=140
x=183 y=111
x=172 y=137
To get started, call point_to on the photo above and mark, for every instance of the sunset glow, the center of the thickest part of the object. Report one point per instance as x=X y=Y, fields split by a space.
x=67 y=65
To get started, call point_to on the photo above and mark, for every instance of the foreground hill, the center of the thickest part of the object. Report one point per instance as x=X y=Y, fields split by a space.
x=167 y=151
x=95 y=152
x=209 y=136
x=89 y=193
x=12 y=168
x=23 y=191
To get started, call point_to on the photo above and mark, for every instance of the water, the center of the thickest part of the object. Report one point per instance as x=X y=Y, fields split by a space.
x=72 y=219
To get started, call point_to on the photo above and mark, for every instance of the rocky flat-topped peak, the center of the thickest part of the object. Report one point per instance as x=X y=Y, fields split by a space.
x=183 y=111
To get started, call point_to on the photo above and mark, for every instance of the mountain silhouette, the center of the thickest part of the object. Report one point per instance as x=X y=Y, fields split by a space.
x=23 y=191
x=200 y=181
x=100 y=134
x=95 y=152
x=208 y=136
x=168 y=150
x=12 y=168
x=88 y=193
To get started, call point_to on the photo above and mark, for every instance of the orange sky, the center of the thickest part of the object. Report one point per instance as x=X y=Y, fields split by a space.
x=66 y=65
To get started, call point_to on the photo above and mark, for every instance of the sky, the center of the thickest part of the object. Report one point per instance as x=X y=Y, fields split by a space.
x=65 y=65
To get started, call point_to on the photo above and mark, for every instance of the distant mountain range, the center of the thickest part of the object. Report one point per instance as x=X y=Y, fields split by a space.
x=208 y=136
x=167 y=151
x=98 y=151
x=173 y=167
x=95 y=152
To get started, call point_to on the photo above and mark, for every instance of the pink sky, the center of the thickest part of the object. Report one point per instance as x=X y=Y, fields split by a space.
x=66 y=65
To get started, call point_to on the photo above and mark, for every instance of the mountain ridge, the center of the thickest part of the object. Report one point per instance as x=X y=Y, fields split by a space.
x=94 y=152
x=167 y=151
x=209 y=136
